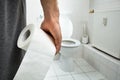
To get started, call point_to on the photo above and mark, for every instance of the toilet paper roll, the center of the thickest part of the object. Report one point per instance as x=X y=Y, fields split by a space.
x=40 y=51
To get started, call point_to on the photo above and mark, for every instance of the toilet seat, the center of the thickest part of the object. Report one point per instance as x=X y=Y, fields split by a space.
x=69 y=42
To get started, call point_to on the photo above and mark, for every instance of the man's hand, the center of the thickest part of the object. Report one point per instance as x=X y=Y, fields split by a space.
x=51 y=21
x=52 y=27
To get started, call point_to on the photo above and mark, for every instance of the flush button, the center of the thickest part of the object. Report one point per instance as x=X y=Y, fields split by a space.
x=104 y=21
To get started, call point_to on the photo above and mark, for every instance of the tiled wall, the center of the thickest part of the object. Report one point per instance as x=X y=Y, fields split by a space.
x=101 y=5
x=105 y=4
x=105 y=64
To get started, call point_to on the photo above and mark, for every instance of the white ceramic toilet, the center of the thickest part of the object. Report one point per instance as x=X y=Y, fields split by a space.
x=68 y=46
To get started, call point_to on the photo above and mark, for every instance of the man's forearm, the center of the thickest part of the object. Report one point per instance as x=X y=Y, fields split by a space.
x=51 y=22
x=50 y=9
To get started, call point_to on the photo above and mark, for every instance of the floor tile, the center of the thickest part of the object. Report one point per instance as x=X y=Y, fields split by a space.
x=51 y=72
x=51 y=78
x=118 y=76
x=83 y=71
x=95 y=76
x=87 y=68
x=81 y=62
x=59 y=71
x=80 y=77
x=65 y=77
x=77 y=70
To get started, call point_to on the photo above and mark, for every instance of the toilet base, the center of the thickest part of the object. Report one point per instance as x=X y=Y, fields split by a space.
x=66 y=63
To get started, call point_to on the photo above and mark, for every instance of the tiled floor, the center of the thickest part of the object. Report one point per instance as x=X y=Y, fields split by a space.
x=83 y=71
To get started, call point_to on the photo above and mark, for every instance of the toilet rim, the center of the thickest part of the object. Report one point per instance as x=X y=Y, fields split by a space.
x=76 y=43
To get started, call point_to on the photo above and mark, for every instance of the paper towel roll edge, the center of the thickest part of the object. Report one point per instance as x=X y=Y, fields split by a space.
x=24 y=43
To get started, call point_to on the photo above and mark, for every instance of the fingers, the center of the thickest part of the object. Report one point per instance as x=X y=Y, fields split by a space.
x=57 y=40
x=54 y=30
x=44 y=27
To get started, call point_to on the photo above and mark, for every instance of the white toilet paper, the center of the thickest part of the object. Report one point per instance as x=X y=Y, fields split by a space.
x=40 y=52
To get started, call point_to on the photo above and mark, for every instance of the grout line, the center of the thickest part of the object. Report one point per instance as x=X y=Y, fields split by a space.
x=55 y=72
x=63 y=75
x=83 y=72
x=70 y=74
x=88 y=71
x=87 y=76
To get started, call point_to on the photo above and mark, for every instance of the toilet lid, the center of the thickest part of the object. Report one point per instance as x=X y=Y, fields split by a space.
x=70 y=43
x=66 y=26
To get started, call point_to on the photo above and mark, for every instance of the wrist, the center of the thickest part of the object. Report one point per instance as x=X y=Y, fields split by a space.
x=51 y=15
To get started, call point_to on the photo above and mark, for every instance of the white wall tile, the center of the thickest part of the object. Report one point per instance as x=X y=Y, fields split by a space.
x=91 y=58
x=102 y=62
x=101 y=5
x=106 y=4
x=108 y=72
x=118 y=73
x=100 y=58
x=118 y=69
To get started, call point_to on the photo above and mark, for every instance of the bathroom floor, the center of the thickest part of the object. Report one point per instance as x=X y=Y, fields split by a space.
x=83 y=71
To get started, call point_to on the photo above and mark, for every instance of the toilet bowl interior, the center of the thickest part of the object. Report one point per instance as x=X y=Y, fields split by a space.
x=70 y=43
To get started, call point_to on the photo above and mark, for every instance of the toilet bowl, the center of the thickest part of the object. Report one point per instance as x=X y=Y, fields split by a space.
x=69 y=46
x=68 y=50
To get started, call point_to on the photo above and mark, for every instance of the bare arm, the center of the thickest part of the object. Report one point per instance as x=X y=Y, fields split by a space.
x=51 y=21
x=50 y=9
